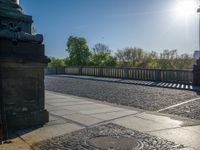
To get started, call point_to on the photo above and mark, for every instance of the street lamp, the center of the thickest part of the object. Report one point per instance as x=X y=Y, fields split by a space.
x=198 y=11
x=198 y=60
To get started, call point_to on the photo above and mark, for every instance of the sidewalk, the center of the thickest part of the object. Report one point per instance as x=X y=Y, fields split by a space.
x=70 y=113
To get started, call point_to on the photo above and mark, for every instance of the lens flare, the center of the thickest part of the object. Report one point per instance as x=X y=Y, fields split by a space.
x=186 y=8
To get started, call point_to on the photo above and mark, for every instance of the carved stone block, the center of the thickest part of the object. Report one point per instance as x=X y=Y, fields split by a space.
x=22 y=63
x=22 y=78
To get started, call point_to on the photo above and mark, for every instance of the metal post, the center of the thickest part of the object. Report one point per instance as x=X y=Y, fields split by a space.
x=199 y=27
x=198 y=11
x=1 y=110
x=196 y=70
x=3 y=120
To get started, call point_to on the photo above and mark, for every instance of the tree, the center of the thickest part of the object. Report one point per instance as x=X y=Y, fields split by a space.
x=102 y=59
x=101 y=56
x=131 y=57
x=169 y=59
x=57 y=62
x=99 y=47
x=78 y=51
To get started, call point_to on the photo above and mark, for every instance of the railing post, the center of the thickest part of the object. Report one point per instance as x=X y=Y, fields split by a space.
x=158 y=75
x=196 y=73
x=80 y=70
x=56 y=70
x=126 y=76
x=101 y=71
x=65 y=70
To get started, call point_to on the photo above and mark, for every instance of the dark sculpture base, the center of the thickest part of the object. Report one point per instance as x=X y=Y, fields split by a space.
x=22 y=84
x=28 y=120
x=22 y=63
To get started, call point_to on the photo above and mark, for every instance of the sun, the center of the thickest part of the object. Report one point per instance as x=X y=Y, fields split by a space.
x=186 y=8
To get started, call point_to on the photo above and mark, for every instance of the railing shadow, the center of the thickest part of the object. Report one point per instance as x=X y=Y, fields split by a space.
x=178 y=86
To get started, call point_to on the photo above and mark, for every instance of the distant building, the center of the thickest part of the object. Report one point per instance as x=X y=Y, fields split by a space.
x=196 y=54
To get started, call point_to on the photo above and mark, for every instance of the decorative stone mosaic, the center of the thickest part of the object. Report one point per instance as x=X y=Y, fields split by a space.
x=106 y=137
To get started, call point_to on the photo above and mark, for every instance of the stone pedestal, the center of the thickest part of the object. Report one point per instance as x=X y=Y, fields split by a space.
x=196 y=73
x=22 y=63
x=22 y=78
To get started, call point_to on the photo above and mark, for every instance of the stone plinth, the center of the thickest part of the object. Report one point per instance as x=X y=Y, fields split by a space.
x=22 y=63
x=22 y=77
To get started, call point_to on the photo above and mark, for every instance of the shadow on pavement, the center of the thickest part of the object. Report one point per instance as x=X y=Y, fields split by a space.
x=179 y=86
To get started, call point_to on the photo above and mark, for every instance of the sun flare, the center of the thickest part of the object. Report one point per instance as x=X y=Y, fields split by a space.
x=186 y=8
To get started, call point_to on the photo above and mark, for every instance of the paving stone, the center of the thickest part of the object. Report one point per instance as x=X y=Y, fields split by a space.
x=102 y=110
x=66 y=103
x=65 y=99
x=143 y=125
x=47 y=132
x=85 y=107
x=193 y=128
x=52 y=118
x=78 y=140
x=52 y=108
x=113 y=115
x=62 y=112
x=60 y=100
x=143 y=122
x=180 y=135
x=83 y=119
x=16 y=144
x=160 y=119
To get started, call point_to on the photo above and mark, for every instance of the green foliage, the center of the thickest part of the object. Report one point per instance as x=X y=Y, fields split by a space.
x=80 y=55
x=78 y=51
x=57 y=62
x=168 y=59
x=132 y=57
x=99 y=47
x=102 y=59
x=101 y=56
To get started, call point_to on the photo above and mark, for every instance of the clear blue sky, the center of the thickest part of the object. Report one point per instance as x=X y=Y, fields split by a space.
x=148 y=24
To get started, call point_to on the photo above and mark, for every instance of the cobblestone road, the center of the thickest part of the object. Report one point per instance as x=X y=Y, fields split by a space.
x=143 y=97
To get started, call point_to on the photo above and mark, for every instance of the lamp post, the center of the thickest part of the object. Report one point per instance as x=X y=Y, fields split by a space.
x=196 y=69
x=198 y=11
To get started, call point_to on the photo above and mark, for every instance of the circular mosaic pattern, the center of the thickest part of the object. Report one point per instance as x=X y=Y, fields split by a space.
x=114 y=143
x=104 y=137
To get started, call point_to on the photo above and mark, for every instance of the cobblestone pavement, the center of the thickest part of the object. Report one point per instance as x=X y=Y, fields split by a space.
x=143 y=97
x=190 y=110
x=78 y=140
